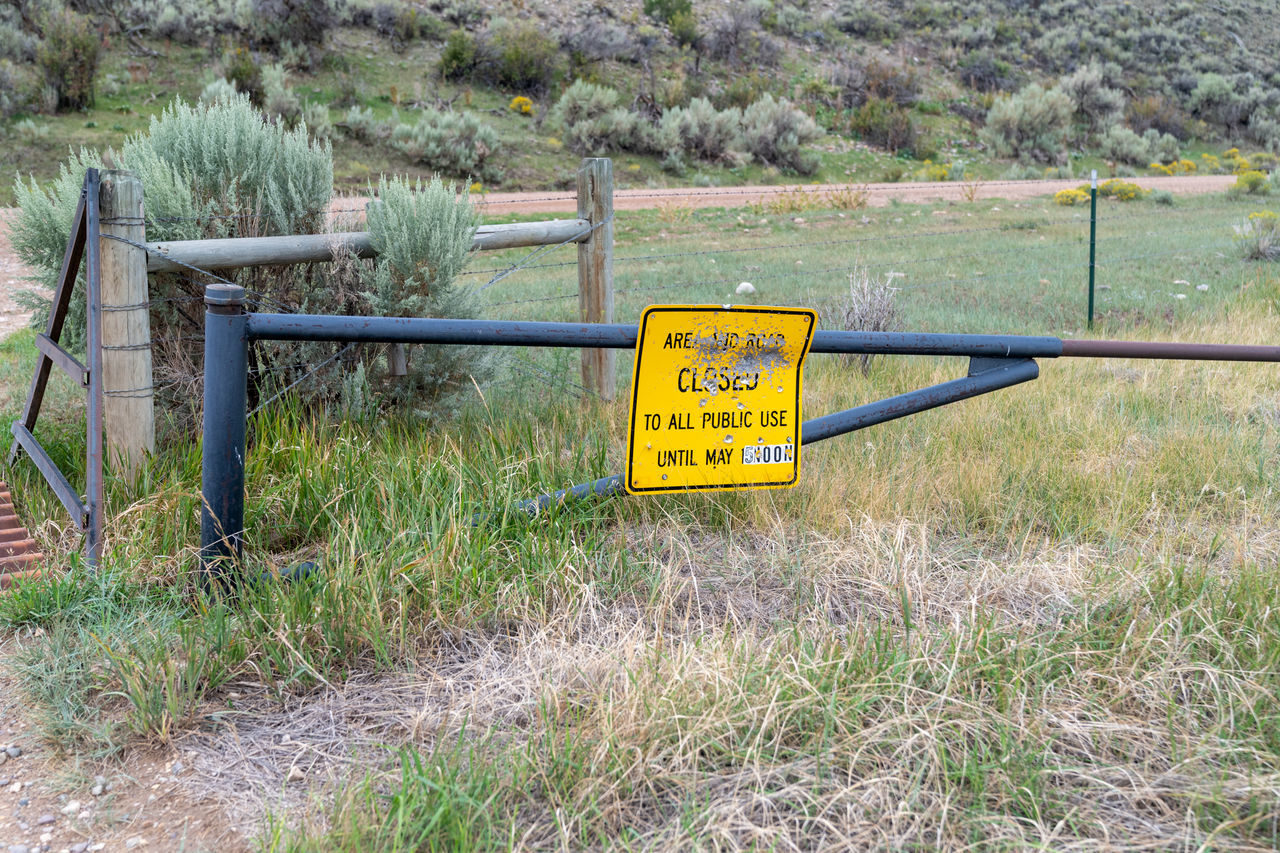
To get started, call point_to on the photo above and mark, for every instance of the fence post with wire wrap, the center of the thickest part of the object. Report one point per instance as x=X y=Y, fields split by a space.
x=128 y=412
x=595 y=270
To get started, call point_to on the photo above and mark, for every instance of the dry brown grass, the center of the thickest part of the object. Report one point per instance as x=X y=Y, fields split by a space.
x=797 y=691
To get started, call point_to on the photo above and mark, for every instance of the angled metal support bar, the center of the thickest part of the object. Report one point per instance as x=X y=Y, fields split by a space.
x=57 y=317
x=64 y=491
x=70 y=366
x=82 y=250
x=93 y=336
x=985 y=376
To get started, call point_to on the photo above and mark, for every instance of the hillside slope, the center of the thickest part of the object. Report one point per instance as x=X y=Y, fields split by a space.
x=946 y=90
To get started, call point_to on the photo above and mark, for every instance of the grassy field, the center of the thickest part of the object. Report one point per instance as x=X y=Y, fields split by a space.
x=1041 y=619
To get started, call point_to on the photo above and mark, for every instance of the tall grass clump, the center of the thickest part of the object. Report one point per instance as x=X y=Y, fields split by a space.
x=1259 y=236
x=870 y=306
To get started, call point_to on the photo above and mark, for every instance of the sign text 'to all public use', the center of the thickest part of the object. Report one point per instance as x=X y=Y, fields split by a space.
x=715 y=398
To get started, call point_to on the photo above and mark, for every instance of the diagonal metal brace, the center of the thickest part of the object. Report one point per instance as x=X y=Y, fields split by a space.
x=985 y=375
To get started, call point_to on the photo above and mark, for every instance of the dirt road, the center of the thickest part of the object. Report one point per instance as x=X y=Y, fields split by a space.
x=13 y=274
x=878 y=195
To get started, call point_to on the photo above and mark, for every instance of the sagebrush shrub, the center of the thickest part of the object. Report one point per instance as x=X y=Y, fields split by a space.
x=458 y=144
x=777 y=134
x=1264 y=129
x=884 y=124
x=525 y=58
x=1095 y=104
x=315 y=117
x=704 y=132
x=218 y=89
x=278 y=99
x=360 y=123
x=857 y=19
x=15 y=93
x=1124 y=146
x=192 y=22
x=1218 y=100
x=773 y=132
x=214 y=170
x=422 y=235
x=738 y=37
x=17 y=44
x=595 y=40
x=986 y=72
x=401 y=24
x=1032 y=123
x=68 y=57
x=1162 y=147
x=592 y=121
x=459 y=13
x=274 y=23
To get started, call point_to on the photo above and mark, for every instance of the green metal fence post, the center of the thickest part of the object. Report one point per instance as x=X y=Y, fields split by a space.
x=1093 y=236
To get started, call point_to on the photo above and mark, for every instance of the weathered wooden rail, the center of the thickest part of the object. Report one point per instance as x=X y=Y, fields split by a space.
x=240 y=252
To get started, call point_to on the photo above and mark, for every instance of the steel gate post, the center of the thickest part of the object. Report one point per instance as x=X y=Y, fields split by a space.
x=226 y=357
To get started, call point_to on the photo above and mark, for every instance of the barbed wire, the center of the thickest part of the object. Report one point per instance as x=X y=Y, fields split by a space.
x=845 y=268
x=529 y=367
x=295 y=383
x=556 y=298
x=544 y=250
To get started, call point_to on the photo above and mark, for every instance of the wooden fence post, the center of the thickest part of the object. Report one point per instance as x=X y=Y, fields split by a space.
x=128 y=413
x=595 y=269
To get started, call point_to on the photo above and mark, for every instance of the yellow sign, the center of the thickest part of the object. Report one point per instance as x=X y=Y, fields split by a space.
x=715 y=398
